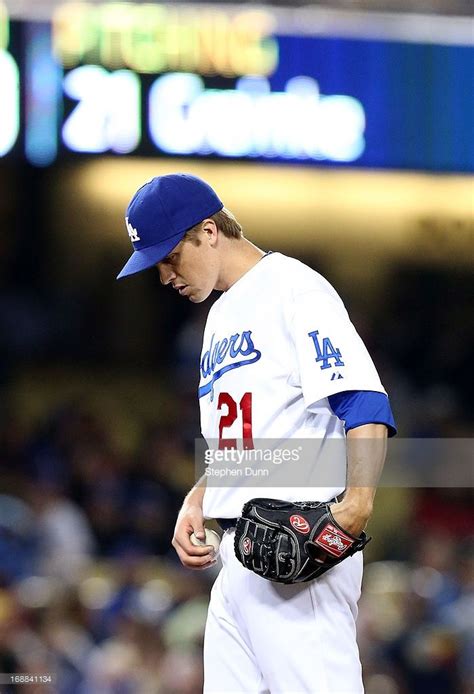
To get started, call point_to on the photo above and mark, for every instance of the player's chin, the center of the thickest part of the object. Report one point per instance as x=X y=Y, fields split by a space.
x=197 y=296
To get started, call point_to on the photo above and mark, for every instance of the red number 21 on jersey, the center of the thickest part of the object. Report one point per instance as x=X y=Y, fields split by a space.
x=226 y=420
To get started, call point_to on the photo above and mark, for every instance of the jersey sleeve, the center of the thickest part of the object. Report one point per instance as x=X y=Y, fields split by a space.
x=330 y=355
x=358 y=407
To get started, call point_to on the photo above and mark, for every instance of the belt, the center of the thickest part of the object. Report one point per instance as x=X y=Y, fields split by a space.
x=228 y=523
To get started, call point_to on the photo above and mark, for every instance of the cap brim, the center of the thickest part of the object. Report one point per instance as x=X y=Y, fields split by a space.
x=150 y=256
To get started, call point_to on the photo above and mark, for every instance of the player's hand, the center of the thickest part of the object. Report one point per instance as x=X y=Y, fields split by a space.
x=350 y=517
x=190 y=520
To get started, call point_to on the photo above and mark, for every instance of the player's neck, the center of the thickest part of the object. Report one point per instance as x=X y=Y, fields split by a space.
x=238 y=258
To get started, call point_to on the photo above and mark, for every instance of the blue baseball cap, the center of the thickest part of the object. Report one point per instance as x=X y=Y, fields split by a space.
x=159 y=215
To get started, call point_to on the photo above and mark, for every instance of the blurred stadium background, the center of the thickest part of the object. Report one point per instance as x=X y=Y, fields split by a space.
x=341 y=133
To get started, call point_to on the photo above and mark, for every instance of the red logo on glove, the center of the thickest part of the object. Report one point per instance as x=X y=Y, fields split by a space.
x=300 y=524
x=333 y=540
x=247 y=545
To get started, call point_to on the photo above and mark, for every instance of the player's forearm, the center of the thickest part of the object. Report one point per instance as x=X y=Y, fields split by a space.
x=196 y=495
x=366 y=451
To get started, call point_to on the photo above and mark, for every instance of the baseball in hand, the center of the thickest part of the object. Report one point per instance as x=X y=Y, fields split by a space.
x=212 y=538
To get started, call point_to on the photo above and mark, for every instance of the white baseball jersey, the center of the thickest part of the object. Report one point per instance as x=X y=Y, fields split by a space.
x=277 y=343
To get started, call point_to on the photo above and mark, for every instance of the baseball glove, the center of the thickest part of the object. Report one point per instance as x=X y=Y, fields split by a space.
x=292 y=542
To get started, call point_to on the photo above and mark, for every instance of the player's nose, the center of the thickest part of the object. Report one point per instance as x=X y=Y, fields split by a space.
x=166 y=273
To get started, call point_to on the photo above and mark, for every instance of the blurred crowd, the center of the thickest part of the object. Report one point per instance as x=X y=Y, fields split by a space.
x=91 y=591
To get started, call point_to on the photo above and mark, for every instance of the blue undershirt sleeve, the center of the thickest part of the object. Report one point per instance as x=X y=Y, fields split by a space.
x=358 y=407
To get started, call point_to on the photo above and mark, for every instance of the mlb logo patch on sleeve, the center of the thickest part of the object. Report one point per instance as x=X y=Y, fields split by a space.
x=333 y=540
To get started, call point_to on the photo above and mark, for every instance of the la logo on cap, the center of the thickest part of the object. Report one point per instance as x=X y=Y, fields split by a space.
x=133 y=233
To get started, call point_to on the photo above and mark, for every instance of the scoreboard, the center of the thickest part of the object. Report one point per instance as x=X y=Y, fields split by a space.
x=169 y=80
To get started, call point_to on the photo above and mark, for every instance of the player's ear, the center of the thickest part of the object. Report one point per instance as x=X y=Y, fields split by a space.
x=209 y=229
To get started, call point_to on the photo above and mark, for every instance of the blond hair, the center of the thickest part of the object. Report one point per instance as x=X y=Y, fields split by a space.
x=225 y=222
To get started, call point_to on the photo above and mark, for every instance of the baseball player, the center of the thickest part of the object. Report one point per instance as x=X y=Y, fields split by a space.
x=280 y=361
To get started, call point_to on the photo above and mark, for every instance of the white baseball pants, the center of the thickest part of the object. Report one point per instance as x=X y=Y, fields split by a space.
x=268 y=638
